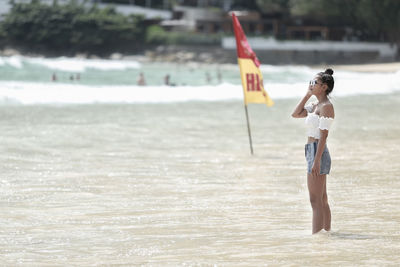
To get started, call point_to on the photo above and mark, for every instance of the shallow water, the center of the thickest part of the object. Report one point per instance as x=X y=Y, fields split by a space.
x=175 y=184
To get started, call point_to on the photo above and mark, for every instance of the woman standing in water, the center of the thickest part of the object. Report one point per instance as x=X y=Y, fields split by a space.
x=319 y=117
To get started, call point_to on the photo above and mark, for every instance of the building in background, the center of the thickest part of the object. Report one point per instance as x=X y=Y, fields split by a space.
x=213 y=17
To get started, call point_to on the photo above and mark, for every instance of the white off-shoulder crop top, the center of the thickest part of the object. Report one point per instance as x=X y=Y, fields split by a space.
x=314 y=122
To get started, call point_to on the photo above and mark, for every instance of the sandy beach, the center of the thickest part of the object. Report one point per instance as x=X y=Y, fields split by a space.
x=378 y=67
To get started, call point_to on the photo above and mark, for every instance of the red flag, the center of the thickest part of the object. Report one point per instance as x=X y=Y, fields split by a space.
x=242 y=45
x=249 y=64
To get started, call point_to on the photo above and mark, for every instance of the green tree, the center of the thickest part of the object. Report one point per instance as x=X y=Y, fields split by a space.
x=381 y=18
x=371 y=17
x=71 y=28
x=274 y=6
x=154 y=3
x=245 y=4
x=332 y=12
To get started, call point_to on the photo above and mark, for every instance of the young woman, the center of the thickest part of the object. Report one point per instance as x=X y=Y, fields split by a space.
x=319 y=117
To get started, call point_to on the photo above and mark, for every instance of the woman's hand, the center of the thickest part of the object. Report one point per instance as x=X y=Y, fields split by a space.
x=309 y=91
x=299 y=111
x=315 y=170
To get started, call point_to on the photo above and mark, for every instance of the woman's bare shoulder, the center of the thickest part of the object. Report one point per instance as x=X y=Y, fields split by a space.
x=327 y=110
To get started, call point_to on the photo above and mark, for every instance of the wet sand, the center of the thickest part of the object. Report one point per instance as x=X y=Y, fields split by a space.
x=378 y=67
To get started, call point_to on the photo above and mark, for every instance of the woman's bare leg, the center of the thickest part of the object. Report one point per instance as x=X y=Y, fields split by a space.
x=316 y=188
x=327 y=210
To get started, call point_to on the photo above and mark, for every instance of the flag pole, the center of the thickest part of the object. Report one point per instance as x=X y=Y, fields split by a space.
x=248 y=129
x=251 y=76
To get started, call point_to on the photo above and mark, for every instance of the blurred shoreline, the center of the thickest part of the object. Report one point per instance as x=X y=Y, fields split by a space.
x=211 y=56
x=377 y=67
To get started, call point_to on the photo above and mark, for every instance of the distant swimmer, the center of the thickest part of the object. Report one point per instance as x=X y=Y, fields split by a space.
x=141 y=81
x=54 y=77
x=208 y=77
x=219 y=76
x=78 y=77
x=166 y=79
x=71 y=77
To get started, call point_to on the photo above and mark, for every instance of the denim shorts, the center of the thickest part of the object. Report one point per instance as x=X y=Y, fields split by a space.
x=310 y=150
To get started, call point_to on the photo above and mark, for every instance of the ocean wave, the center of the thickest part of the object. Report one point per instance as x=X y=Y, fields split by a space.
x=52 y=93
x=59 y=93
x=14 y=61
x=70 y=64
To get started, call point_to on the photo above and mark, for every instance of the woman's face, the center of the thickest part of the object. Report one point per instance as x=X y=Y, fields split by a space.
x=318 y=88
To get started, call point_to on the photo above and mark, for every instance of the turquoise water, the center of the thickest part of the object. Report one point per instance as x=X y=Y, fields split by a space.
x=106 y=72
x=29 y=81
x=98 y=172
x=99 y=72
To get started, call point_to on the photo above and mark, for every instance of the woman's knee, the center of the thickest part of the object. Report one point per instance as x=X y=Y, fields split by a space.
x=325 y=199
x=316 y=200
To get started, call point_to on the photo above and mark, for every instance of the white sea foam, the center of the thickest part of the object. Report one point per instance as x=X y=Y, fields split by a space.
x=70 y=64
x=352 y=83
x=14 y=61
x=43 y=93
x=346 y=84
x=80 y=65
x=280 y=82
